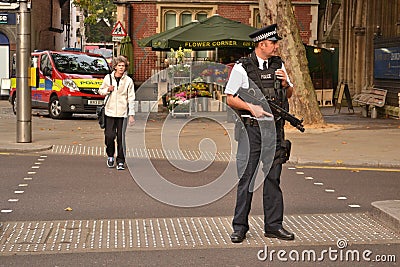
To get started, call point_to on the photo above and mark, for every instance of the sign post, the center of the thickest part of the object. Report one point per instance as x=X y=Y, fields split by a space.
x=24 y=101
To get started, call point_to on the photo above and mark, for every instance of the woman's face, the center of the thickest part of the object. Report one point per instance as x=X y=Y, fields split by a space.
x=120 y=68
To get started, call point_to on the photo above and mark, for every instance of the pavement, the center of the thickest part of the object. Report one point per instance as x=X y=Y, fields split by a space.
x=347 y=140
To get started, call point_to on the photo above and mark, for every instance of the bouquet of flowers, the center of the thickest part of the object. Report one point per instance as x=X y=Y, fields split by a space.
x=177 y=99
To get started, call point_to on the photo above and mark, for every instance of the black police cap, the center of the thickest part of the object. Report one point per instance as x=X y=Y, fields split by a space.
x=267 y=33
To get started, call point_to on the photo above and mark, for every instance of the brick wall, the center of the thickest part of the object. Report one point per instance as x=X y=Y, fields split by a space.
x=235 y=12
x=43 y=17
x=304 y=20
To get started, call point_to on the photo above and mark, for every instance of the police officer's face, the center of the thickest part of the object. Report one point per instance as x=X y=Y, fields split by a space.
x=269 y=48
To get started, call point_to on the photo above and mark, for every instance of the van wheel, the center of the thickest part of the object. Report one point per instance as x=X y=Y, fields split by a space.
x=14 y=104
x=55 y=110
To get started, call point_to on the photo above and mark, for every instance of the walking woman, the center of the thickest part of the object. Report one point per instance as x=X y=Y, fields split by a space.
x=120 y=91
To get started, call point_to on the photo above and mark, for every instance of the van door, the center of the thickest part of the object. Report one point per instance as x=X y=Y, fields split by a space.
x=43 y=92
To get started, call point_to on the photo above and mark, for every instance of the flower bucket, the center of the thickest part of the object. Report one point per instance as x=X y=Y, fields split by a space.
x=203 y=101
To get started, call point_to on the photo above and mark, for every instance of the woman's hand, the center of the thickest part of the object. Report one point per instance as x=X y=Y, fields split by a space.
x=131 y=120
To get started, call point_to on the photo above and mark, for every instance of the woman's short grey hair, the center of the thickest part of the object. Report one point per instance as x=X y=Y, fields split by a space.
x=118 y=60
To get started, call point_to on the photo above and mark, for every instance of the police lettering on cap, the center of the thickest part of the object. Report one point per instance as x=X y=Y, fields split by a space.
x=266 y=33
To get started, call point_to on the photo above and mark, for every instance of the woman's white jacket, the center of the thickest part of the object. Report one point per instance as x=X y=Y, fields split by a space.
x=121 y=102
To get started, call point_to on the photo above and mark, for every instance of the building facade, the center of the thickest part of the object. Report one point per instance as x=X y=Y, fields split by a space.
x=146 y=18
x=48 y=27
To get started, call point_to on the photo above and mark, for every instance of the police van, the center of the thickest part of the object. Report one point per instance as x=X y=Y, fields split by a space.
x=64 y=82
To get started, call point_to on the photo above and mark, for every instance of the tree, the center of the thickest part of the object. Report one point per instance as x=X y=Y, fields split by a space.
x=96 y=10
x=99 y=32
x=304 y=102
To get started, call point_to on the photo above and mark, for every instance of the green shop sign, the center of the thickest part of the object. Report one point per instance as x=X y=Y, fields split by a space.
x=214 y=44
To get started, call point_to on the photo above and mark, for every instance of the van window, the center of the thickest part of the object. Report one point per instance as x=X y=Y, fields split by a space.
x=45 y=65
x=80 y=63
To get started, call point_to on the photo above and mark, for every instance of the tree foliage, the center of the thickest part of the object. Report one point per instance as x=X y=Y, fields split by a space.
x=304 y=102
x=95 y=10
x=98 y=33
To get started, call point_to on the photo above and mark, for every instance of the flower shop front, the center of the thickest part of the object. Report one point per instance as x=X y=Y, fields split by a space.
x=196 y=87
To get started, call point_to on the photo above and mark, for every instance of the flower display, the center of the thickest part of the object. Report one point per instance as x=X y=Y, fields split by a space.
x=212 y=72
x=179 y=55
x=183 y=93
x=175 y=101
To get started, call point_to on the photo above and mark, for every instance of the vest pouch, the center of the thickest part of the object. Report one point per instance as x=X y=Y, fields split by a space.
x=283 y=154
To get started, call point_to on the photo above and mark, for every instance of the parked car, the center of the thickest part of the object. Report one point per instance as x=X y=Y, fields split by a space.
x=64 y=82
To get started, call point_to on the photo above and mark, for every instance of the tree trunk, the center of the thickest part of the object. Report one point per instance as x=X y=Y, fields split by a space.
x=303 y=102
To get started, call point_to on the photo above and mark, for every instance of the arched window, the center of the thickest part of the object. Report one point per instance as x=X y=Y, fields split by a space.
x=257 y=19
x=170 y=20
x=4 y=39
x=201 y=16
x=186 y=18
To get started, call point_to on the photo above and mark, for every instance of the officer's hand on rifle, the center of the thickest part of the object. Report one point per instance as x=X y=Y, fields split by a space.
x=257 y=111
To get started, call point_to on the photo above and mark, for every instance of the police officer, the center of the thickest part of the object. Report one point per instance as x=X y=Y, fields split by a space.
x=261 y=68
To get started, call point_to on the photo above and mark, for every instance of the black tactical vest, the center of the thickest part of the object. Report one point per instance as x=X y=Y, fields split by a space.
x=264 y=79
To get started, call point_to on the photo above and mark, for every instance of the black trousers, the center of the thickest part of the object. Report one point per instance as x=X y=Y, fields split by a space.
x=115 y=128
x=249 y=155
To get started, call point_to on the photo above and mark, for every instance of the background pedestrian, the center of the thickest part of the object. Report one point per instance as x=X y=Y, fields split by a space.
x=120 y=90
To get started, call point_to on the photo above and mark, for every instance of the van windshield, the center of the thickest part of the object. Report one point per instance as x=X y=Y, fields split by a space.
x=80 y=63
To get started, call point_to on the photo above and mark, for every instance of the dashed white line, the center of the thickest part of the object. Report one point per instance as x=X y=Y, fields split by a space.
x=6 y=211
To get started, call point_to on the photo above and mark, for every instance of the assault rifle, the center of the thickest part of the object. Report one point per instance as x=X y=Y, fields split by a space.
x=255 y=96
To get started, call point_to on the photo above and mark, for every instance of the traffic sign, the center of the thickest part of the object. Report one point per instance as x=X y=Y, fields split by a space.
x=118 y=30
x=8 y=4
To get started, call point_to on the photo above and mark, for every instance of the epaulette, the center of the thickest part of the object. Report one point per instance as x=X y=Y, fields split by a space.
x=243 y=60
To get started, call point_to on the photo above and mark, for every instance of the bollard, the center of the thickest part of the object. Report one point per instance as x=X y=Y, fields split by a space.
x=374 y=113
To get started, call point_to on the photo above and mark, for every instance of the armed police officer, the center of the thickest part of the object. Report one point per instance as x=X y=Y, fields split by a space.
x=264 y=69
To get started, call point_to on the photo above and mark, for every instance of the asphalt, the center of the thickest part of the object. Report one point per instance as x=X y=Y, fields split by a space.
x=346 y=140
